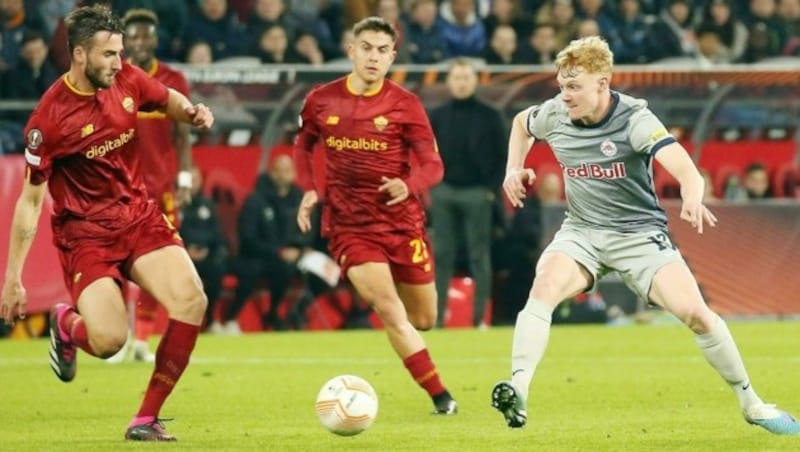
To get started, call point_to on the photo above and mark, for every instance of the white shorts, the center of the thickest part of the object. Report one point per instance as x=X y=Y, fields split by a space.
x=636 y=256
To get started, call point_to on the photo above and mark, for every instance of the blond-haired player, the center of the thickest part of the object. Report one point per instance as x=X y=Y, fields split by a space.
x=605 y=142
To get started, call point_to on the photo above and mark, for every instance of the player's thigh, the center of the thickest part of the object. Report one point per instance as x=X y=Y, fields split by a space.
x=170 y=276
x=104 y=312
x=374 y=283
x=420 y=303
x=675 y=289
x=569 y=265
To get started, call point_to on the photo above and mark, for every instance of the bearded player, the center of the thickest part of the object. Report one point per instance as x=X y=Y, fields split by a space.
x=372 y=214
x=162 y=146
x=104 y=227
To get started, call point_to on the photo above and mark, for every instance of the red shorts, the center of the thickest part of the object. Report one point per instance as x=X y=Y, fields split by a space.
x=88 y=258
x=168 y=203
x=409 y=254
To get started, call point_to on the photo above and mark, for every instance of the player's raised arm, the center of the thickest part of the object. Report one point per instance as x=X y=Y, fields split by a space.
x=519 y=143
x=23 y=231
x=674 y=158
x=181 y=109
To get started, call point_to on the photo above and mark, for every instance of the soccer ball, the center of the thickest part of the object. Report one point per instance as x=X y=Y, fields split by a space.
x=347 y=405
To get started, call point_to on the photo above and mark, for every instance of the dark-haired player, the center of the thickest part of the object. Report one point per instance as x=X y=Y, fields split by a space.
x=105 y=228
x=372 y=215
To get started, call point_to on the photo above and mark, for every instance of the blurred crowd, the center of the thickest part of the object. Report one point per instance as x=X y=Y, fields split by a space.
x=497 y=31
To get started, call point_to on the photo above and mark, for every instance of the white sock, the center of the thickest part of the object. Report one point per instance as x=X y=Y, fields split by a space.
x=720 y=351
x=531 y=334
x=140 y=345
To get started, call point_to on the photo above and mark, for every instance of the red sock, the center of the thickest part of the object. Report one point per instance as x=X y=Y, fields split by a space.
x=172 y=357
x=424 y=372
x=72 y=323
x=145 y=317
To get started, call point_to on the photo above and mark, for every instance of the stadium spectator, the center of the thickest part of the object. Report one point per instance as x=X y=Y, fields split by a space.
x=270 y=242
x=540 y=48
x=389 y=10
x=789 y=14
x=199 y=54
x=602 y=14
x=502 y=46
x=756 y=182
x=14 y=20
x=51 y=12
x=372 y=214
x=720 y=16
x=273 y=47
x=215 y=24
x=613 y=224
x=710 y=50
x=308 y=48
x=462 y=30
x=424 y=38
x=509 y=12
x=173 y=16
x=271 y=12
x=672 y=35
x=560 y=13
x=202 y=235
x=587 y=28
x=767 y=34
x=29 y=79
x=633 y=26
x=31 y=76
x=471 y=136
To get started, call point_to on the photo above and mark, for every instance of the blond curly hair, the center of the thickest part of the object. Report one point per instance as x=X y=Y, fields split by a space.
x=591 y=53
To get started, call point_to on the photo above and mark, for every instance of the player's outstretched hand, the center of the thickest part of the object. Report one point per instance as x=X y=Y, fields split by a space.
x=396 y=188
x=514 y=185
x=696 y=214
x=201 y=116
x=307 y=204
x=12 y=301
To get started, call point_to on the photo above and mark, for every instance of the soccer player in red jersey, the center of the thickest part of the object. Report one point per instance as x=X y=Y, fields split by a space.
x=162 y=146
x=372 y=214
x=105 y=228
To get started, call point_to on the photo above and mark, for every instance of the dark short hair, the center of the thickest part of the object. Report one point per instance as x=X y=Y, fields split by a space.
x=377 y=24
x=83 y=23
x=139 y=16
x=30 y=35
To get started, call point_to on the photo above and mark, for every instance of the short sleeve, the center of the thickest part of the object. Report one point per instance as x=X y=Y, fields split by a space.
x=152 y=93
x=537 y=120
x=647 y=133
x=40 y=147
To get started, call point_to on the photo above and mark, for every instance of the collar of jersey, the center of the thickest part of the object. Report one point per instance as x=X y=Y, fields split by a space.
x=75 y=89
x=614 y=103
x=369 y=93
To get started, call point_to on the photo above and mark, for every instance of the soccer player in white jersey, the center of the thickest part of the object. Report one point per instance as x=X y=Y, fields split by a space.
x=605 y=142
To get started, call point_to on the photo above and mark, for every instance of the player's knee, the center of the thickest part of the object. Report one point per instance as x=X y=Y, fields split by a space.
x=106 y=344
x=699 y=319
x=423 y=322
x=190 y=304
x=547 y=289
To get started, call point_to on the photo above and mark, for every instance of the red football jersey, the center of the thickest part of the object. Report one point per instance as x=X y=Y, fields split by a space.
x=367 y=137
x=77 y=141
x=154 y=146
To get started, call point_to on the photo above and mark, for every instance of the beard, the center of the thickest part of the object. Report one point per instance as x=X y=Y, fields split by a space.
x=95 y=77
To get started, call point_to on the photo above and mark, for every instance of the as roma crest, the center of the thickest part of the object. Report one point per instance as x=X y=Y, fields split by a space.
x=127 y=104
x=380 y=123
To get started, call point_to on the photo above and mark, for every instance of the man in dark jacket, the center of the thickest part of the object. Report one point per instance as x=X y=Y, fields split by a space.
x=202 y=234
x=472 y=138
x=270 y=241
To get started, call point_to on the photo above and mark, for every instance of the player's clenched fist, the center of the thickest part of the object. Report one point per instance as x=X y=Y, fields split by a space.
x=201 y=116
x=396 y=188
x=307 y=204
x=515 y=185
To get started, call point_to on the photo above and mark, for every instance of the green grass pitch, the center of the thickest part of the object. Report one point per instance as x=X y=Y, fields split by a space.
x=598 y=388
